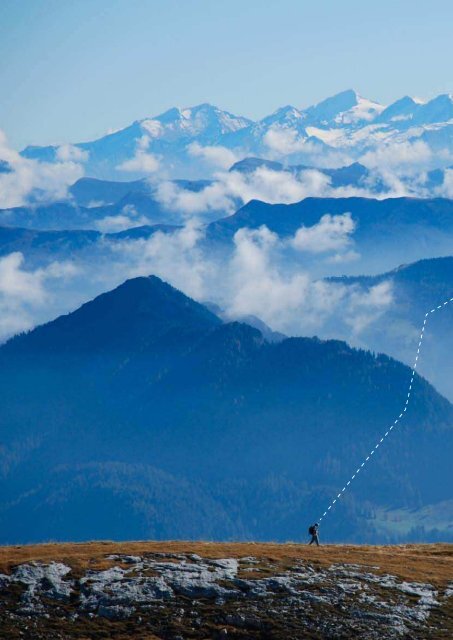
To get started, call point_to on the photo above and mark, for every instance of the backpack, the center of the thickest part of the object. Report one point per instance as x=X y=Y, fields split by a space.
x=311 y=530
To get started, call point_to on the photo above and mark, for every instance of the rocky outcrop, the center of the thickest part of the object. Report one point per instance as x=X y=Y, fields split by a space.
x=186 y=596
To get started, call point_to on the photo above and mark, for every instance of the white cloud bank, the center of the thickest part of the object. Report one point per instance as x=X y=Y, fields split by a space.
x=258 y=277
x=332 y=233
x=285 y=141
x=215 y=155
x=177 y=258
x=287 y=298
x=32 y=180
x=23 y=292
x=446 y=188
x=404 y=157
x=255 y=280
x=229 y=190
x=129 y=218
x=71 y=153
x=142 y=161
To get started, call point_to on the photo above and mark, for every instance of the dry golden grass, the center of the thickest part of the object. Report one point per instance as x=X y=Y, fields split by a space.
x=431 y=563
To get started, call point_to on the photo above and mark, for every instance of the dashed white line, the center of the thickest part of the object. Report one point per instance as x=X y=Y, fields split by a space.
x=395 y=422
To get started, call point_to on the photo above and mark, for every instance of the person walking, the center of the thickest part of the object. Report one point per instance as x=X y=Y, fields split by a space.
x=313 y=531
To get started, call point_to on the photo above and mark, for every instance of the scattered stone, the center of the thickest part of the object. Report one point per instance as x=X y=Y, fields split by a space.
x=115 y=612
x=340 y=601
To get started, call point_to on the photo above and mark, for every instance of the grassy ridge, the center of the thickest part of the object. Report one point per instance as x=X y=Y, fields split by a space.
x=432 y=563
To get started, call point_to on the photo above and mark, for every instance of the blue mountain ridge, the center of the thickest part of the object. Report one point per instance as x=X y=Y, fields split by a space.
x=142 y=414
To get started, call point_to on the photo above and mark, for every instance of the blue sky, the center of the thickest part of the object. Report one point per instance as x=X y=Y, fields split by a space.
x=72 y=70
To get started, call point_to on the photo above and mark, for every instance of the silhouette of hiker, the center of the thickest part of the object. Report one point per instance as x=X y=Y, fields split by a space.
x=313 y=532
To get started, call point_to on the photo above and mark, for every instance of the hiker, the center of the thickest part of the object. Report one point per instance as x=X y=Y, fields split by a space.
x=313 y=532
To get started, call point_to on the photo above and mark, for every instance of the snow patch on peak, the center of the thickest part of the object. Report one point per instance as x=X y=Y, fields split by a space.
x=330 y=107
x=283 y=117
x=345 y=108
x=289 y=111
x=186 y=113
x=152 y=127
x=364 y=111
x=192 y=121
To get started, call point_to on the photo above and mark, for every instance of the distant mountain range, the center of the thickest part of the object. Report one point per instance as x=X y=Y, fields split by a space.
x=104 y=206
x=425 y=224
x=354 y=175
x=387 y=232
x=343 y=126
x=372 y=215
x=142 y=414
x=42 y=247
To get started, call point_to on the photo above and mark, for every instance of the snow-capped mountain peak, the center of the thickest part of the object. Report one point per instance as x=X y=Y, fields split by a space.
x=345 y=125
x=193 y=121
x=330 y=107
x=283 y=116
x=402 y=109
x=439 y=109
x=344 y=108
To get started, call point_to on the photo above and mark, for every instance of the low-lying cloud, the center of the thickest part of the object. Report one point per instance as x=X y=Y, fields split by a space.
x=445 y=190
x=29 y=181
x=332 y=233
x=215 y=155
x=286 y=141
x=128 y=218
x=176 y=257
x=256 y=279
x=143 y=161
x=230 y=190
x=71 y=153
x=24 y=292
x=404 y=157
x=288 y=144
